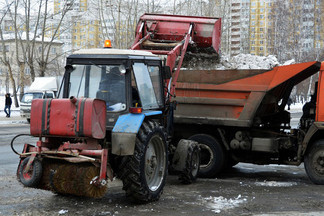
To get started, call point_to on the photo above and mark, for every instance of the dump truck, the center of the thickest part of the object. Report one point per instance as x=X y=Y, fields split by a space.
x=239 y=116
x=114 y=115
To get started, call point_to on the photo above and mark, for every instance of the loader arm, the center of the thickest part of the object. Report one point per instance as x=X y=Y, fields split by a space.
x=172 y=36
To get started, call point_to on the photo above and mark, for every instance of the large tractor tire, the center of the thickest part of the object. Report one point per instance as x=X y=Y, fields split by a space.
x=33 y=176
x=314 y=162
x=212 y=156
x=144 y=173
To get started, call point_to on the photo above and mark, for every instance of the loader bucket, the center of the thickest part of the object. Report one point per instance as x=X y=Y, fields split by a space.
x=205 y=37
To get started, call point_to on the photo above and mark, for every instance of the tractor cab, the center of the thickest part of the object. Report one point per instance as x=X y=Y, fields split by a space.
x=124 y=79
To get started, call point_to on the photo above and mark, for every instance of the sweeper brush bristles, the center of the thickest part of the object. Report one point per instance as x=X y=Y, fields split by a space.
x=75 y=179
x=48 y=167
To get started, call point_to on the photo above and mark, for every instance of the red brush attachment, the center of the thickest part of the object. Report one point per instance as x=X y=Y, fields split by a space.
x=84 y=117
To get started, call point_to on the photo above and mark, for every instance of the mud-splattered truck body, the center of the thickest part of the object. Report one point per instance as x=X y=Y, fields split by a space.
x=240 y=116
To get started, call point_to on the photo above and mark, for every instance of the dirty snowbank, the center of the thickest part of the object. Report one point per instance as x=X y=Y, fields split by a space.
x=275 y=184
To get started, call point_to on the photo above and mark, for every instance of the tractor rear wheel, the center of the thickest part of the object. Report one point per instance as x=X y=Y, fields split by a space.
x=33 y=176
x=144 y=173
x=314 y=162
x=212 y=155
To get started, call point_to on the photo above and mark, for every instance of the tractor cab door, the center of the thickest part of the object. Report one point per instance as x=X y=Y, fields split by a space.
x=149 y=88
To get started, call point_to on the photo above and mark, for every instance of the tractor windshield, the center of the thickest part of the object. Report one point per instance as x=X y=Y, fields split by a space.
x=106 y=82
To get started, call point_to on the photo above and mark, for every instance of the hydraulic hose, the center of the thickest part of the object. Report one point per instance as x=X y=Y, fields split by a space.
x=12 y=141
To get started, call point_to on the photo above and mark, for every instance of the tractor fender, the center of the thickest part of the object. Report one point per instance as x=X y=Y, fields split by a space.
x=124 y=133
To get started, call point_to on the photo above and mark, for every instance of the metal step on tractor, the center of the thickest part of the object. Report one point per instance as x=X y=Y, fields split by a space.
x=114 y=114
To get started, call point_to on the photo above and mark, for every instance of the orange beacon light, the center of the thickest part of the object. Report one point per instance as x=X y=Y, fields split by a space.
x=107 y=44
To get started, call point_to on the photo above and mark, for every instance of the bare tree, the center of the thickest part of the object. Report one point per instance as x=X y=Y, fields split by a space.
x=4 y=58
x=44 y=59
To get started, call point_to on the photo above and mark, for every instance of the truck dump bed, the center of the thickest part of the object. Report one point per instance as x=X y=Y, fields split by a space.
x=236 y=97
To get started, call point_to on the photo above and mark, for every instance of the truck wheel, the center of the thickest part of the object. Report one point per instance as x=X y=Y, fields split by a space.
x=212 y=155
x=144 y=173
x=314 y=162
x=33 y=176
x=191 y=171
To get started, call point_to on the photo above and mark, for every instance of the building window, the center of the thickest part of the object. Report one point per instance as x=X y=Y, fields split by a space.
x=261 y=29
x=261 y=48
x=27 y=71
x=53 y=50
x=261 y=42
x=6 y=48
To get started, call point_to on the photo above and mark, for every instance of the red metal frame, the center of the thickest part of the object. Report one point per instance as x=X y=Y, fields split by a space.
x=202 y=32
x=73 y=150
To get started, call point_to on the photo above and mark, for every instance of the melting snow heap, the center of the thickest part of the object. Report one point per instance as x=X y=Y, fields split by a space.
x=248 y=61
x=241 y=61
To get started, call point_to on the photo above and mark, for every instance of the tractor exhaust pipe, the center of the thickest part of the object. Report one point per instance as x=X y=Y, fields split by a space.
x=73 y=100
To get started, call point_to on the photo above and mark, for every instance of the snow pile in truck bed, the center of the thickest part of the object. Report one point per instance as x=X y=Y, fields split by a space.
x=247 y=61
x=241 y=61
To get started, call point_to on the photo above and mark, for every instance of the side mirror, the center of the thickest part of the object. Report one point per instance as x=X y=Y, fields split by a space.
x=69 y=68
x=166 y=72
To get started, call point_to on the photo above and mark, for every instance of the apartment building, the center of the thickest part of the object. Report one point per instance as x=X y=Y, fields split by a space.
x=319 y=24
x=260 y=23
x=239 y=26
x=54 y=68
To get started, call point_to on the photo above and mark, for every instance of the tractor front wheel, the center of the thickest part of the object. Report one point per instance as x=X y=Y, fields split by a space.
x=191 y=171
x=144 y=173
x=212 y=156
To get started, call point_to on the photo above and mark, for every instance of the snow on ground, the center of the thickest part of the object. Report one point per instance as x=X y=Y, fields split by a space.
x=275 y=184
x=295 y=108
x=218 y=204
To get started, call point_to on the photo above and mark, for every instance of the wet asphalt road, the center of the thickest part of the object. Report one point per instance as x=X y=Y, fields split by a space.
x=243 y=190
